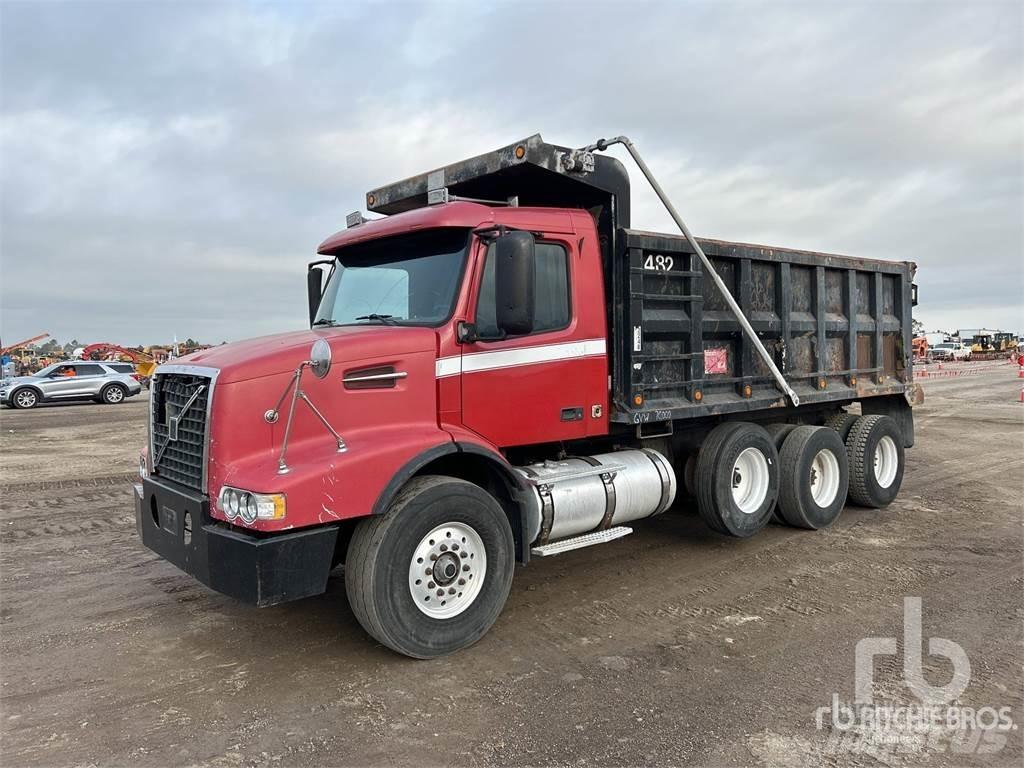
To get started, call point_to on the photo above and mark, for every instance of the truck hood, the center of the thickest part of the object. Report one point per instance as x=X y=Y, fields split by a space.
x=282 y=352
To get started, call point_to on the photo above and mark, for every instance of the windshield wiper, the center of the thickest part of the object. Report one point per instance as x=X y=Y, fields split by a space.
x=387 y=319
x=331 y=323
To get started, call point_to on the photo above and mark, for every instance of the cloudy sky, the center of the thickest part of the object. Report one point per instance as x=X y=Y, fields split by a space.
x=168 y=168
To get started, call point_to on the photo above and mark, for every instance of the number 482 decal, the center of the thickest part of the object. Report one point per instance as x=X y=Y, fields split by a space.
x=658 y=262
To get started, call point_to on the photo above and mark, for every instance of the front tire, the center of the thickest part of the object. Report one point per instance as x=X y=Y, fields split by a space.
x=875 y=450
x=25 y=398
x=431 y=575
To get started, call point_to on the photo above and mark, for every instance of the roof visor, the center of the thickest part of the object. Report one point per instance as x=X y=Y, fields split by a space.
x=537 y=173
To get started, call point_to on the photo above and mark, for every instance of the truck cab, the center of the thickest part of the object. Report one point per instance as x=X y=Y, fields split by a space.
x=498 y=368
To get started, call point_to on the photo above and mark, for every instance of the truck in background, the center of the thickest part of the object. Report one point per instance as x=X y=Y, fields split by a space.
x=500 y=368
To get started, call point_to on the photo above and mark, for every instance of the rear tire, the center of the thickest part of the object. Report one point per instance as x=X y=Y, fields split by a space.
x=464 y=532
x=113 y=394
x=842 y=423
x=737 y=479
x=779 y=433
x=24 y=398
x=814 y=477
x=875 y=450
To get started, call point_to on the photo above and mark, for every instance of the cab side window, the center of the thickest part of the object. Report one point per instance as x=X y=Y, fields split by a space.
x=552 y=292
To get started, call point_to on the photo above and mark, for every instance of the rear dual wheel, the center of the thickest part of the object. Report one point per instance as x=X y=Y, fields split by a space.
x=815 y=477
x=875 y=449
x=737 y=478
x=742 y=470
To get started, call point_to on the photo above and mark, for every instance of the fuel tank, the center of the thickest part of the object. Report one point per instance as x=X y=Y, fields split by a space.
x=587 y=493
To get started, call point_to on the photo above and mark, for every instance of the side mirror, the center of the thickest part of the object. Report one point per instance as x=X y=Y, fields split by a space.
x=515 y=277
x=314 y=290
x=467 y=333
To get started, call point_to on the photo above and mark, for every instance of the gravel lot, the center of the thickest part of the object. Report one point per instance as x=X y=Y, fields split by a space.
x=674 y=645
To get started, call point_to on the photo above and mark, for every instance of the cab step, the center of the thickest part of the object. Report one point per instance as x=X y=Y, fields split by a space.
x=579 y=542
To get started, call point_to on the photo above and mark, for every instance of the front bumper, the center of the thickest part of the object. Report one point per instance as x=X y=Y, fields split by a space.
x=259 y=570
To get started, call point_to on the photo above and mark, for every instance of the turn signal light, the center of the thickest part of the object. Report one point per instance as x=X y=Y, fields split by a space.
x=520 y=152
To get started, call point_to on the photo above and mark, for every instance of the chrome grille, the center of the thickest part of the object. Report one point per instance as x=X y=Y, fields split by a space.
x=182 y=459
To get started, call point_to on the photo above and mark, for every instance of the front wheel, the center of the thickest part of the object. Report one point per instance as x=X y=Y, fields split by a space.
x=25 y=398
x=431 y=575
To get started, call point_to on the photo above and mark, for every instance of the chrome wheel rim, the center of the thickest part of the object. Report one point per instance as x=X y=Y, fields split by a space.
x=115 y=395
x=887 y=461
x=750 y=480
x=26 y=399
x=824 y=478
x=447 y=570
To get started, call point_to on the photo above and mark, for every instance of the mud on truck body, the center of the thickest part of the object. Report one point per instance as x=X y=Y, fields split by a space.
x=499 y=368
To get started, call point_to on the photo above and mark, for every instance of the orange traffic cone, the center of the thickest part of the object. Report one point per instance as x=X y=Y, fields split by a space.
x=1022 y=393
x=1020 y=372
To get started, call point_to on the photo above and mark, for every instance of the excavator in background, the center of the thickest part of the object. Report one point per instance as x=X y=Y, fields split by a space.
x=23 y=344
x=17 y=366
x=144 y=363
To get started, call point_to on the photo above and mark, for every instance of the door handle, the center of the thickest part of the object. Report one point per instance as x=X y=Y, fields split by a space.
x=572 y=414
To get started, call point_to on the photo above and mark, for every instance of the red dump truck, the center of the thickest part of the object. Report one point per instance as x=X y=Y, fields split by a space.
x=498 y=368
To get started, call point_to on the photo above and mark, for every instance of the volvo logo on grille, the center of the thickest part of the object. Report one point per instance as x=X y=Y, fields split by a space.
x=174 y=419
x=172 y=426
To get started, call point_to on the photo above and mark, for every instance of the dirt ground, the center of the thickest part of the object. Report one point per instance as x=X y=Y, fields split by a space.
x=674 y=645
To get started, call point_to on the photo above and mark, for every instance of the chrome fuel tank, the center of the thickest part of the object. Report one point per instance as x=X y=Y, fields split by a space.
x=588 y=493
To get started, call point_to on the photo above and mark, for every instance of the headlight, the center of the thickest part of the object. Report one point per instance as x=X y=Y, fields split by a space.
x=233 y=503
x=249 y=506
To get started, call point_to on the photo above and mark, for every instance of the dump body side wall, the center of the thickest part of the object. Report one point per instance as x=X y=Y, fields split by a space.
x=839 y=328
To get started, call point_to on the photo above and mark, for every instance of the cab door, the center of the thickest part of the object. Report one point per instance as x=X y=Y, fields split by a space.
x=546 y=386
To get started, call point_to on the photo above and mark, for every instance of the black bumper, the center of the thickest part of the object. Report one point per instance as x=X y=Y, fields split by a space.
x=257 y=570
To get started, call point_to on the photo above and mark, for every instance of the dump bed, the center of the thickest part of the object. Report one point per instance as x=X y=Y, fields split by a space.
x=838 y=327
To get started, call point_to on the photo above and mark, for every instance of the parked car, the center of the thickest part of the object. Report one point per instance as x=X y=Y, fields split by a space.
x=950 y=350
x=107 y=383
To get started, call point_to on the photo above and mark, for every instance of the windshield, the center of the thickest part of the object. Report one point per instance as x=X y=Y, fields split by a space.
x=406 y=280
x=42 y=374
x=944 y=346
